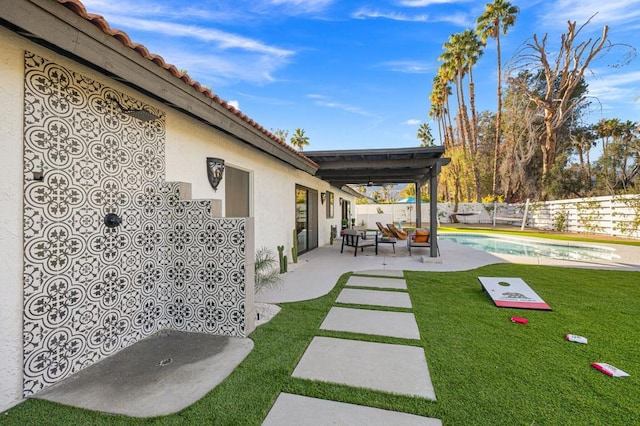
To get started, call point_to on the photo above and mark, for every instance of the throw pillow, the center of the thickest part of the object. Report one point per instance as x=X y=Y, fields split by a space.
x=421 y=236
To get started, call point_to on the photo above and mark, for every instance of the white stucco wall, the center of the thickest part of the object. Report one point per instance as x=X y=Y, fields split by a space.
x=11 y=105
x=273 y=197
x=188 y=143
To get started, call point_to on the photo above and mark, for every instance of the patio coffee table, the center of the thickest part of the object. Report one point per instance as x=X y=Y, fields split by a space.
x=383 y=240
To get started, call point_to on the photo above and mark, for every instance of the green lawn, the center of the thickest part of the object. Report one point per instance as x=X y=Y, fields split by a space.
x=485 y=369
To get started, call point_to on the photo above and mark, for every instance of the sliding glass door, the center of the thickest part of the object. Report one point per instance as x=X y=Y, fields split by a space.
x=306 y=218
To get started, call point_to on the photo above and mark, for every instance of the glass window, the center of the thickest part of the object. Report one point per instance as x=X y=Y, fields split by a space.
x=330 y=208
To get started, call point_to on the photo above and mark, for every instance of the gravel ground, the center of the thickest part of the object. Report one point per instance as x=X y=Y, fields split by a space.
x=266 y=312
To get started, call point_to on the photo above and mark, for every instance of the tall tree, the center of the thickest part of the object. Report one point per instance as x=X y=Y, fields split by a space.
x=424 y=135
x=497 y=17
x=563 y=75
x=440 y=110
x=583 y=139
x=299 y=139
x=472 y=49
x=453 y=69
x=607 y=129
x=519 y=165
x=461 y=53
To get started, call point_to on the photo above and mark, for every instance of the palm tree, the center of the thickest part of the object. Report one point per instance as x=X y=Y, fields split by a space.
x=453 y=69
x=461 y=53
x=472 y=49
x=299 y=140
x=497 y=17
x=425 y=136
x=607 y=130
x=439 y=98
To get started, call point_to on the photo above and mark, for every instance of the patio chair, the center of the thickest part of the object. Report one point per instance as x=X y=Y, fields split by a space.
x=384 y=231
x=419 y=238
x=398 y=233
x=353 y=238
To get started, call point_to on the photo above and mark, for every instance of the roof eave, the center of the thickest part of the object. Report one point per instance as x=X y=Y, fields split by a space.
x=51 y=24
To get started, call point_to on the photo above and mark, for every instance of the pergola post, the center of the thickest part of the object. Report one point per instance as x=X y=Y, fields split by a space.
x=418 y=206
x=433 y=209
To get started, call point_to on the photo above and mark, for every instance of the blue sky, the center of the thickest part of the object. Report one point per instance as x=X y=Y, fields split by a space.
x=357 y=74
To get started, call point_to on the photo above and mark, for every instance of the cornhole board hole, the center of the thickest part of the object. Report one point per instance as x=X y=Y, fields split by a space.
x=512 y=293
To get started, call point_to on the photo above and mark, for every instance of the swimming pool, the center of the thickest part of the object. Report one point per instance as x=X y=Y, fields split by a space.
x=529 y=248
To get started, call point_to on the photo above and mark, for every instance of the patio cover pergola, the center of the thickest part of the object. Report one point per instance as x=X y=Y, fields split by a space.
x=376 y=167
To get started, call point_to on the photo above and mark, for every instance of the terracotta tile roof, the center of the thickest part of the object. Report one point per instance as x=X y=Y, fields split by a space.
x=78 y=8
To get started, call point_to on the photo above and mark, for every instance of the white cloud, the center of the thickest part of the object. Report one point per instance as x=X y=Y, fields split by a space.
x=302 y=6
x=412 y=122
x=424 y=3
x=224 y=40
x=222 y=68
x=460 y=19
x=316 y=96
x=612 y=13
x=325 y=101
x=235 y=104
x=155 y=8
x=394 y=16
x=621 y=87
x=409 y=67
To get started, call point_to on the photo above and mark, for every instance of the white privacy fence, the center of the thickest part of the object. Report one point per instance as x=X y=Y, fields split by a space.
x=611 y=215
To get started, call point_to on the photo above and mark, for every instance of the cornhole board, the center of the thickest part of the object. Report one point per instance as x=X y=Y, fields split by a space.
x=512 y=293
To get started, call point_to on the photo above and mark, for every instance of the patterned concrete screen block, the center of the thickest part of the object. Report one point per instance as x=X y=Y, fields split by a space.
x=512 y=293
x=380 y=366
x=394 y=299
x=89 y=289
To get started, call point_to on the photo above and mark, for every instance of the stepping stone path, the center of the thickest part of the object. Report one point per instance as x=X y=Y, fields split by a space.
x=392 y=368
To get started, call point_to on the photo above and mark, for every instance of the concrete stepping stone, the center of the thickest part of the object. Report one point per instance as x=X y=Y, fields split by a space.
x=295 y=410
x=384 y=367
x=383 y=272
x=380 y=323
x=392 y=299
x=377 y=282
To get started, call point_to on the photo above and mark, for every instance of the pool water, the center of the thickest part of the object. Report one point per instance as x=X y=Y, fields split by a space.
x=524 y=247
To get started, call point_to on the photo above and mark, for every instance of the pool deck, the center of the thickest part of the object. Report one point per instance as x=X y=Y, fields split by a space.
x=317 y=272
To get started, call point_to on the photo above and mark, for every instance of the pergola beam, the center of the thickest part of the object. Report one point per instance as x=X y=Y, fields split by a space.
x=416 y=164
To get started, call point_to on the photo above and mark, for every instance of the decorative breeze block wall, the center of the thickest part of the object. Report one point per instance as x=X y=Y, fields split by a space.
x=90 y=290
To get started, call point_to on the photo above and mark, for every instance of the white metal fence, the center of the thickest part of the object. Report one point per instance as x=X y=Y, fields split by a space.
x=611 y=215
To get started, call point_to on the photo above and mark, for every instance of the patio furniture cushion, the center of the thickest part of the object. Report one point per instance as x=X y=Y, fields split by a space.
x=385 y=232
x=421 y=236
x=398 y=233
x=415 y=240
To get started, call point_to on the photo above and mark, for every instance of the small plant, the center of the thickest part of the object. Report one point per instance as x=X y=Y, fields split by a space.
x=589 y=215
x=489 y=208
x=632 y=225
x=283 y=260
x=561 y=220
x=294 y=248
x=266 y=273
x=333 y=234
